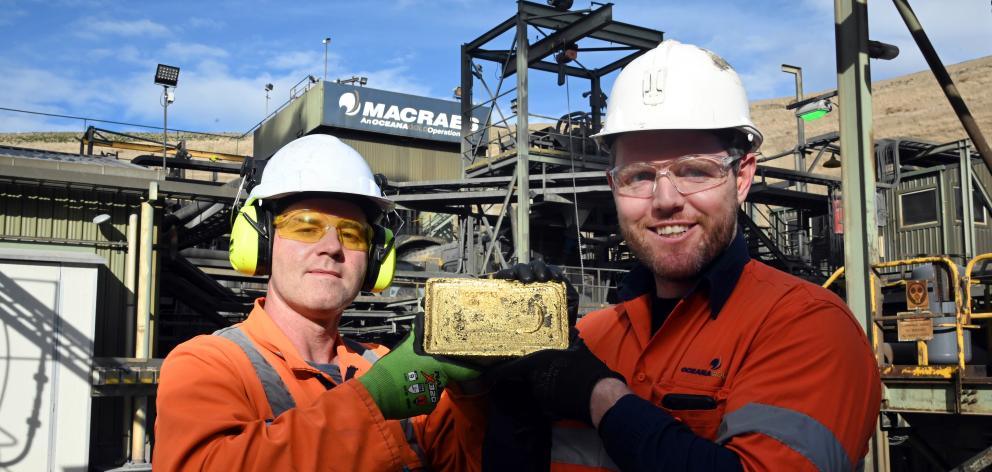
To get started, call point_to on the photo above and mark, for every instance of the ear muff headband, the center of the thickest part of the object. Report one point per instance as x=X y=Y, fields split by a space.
x=382 y=260
x=250 y=249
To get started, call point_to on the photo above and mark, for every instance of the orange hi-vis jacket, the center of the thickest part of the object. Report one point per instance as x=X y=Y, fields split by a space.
x=213 y=414
x=780 y=372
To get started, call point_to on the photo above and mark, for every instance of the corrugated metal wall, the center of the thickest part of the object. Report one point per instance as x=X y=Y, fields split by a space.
x=983 y=231
x=405 y=163
x=941 y=238
x=918 y=239
x=60 y=219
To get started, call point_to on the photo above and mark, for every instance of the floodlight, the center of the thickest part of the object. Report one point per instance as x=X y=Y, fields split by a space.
x=167 y=75
x=363 y=81
x=268 y=87
x=883 y=51
x=457 y=92
x=832 y=163
x=815 y=110
x=562 y=5
x=101 y=219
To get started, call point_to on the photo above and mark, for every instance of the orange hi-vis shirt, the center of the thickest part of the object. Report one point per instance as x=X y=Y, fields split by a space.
x=213 y=414
x=779 y=371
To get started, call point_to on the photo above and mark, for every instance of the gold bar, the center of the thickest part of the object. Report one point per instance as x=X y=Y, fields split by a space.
x=491 y=318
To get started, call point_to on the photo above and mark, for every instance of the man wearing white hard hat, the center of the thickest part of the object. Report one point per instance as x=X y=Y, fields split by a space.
x=284 y=390
x=726 y=363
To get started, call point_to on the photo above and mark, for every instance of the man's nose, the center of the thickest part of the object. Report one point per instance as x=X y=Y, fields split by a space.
x=666 y=194
x=330 y=243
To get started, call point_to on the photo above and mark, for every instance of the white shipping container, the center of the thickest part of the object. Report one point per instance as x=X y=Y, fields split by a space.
x=47 y=320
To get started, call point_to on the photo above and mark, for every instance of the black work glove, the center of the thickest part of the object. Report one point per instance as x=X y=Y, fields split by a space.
x=560 y=381
x=538 y=271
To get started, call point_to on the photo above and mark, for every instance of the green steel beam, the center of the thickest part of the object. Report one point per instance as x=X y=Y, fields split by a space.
x=858 y=173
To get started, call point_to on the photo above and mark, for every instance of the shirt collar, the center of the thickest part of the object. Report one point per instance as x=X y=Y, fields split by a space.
x=719 y=277
x=269 y=336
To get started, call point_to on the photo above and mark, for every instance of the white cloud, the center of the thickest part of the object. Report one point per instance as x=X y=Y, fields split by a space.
x=395 y=79
x=95 y=28
x=179 y=51
x=301 y=60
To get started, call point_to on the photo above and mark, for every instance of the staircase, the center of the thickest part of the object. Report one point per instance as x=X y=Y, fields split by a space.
x=763 y=248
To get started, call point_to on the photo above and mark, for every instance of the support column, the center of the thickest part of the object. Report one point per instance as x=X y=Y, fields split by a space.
x=466 y=107
x=858 y=170
x=143 y=323
x=967 y=199
x=521 y=233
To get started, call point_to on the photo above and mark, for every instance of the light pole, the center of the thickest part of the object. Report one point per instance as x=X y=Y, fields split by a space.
x=800 y=126
x=800 y=157
x=326 y=41
x=166 y=76
x=268 y=88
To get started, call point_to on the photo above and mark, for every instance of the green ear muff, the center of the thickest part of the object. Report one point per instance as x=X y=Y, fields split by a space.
x=382 y=260
x=250 y=248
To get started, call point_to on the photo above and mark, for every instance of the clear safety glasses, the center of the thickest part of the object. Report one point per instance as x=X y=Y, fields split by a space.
x=689 y=174
x=309 y=226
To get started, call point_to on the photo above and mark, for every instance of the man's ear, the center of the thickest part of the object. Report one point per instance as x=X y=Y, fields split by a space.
x=748 y=166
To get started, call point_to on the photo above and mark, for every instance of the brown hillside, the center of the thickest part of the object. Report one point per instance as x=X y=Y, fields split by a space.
x=908 y=106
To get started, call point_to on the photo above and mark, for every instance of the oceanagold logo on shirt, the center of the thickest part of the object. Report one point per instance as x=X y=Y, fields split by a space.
x=712 y=371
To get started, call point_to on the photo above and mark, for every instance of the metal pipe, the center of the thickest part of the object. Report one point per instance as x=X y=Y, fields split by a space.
x=130 y=262
x=492 y=239
x=521 y=237
x=499 y=220
x=944 y=79
x=142 y=321
x=967 y=200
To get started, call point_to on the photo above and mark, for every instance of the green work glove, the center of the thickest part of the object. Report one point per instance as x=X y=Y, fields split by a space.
x=407 y=382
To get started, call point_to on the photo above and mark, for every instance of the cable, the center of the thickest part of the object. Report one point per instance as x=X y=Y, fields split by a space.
x=575 y=194
x=56 y=115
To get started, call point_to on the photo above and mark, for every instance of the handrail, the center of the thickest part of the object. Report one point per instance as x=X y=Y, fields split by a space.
x=958 y=305
x=968 y=315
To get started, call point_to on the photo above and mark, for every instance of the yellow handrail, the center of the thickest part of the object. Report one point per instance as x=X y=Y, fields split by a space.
x=958 y=306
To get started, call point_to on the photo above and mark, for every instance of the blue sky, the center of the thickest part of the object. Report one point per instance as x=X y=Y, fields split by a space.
x=96 y=58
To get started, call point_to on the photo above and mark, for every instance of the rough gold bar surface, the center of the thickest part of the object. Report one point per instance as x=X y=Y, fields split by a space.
x=488 y=318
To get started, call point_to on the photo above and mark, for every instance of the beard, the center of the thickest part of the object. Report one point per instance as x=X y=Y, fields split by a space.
x=687 y=264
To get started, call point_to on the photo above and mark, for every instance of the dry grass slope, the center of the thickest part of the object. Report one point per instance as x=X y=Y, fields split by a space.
x=908 y=106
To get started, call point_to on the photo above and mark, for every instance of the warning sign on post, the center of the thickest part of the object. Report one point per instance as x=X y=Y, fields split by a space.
x=916 y=295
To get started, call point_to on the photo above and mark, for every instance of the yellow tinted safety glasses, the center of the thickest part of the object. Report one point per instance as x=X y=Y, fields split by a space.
x=310 y=226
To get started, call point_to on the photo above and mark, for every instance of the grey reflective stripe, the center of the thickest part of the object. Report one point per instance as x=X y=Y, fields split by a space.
x=579 y=446
x=275 y=390
x=799 y=431
x=411 y=440
x=366 y=353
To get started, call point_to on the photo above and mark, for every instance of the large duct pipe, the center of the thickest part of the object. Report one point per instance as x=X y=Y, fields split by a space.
x=130 y=312
x=142 y=343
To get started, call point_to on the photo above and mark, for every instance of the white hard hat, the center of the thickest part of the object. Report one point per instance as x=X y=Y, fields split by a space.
x=678 y=86
x=318 y=163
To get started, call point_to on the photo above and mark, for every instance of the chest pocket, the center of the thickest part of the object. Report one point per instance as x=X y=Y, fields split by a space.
x=700 y=408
